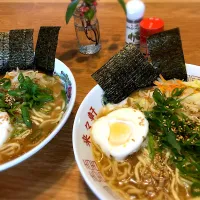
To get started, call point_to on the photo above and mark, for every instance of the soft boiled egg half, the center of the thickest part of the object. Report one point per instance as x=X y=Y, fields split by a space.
x=120 y=133
x=5 y=127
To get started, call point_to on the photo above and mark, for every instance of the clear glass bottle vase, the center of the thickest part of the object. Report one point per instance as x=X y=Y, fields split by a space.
x=87 y=32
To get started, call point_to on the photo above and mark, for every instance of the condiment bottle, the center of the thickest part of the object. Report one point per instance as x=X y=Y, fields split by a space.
x=149 y=26
x=135 y=11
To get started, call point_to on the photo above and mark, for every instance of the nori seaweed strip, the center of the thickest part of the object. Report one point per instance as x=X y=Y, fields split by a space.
x=124 y=73
x=4 y=52
x=29 y=49
x=167 y=54
x=21 y=49
x=46 y=49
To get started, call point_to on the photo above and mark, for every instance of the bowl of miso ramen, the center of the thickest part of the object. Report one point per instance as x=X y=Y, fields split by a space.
x=145 y=147
x=33 y=108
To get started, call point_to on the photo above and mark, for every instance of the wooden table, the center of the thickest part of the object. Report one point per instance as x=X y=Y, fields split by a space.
x=52 y=173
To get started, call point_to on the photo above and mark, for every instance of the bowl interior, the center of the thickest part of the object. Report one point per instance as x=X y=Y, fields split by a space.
x=87 y=111
x=70 y=86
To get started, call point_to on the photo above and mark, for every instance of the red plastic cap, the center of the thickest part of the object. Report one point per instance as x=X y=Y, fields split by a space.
x=150 y=26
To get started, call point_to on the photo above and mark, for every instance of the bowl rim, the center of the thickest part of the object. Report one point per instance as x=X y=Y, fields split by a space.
x=86 y=178
x=74 y=143
x=64 y=119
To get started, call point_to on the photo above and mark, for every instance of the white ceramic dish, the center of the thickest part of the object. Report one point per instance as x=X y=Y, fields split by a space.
x=81 y=139
x=70 y=86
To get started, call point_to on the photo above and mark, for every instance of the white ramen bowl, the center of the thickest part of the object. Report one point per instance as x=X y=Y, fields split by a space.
x=70 y=86
x=81 y=139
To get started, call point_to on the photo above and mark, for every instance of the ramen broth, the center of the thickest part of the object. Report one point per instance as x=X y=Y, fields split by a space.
x=139 y=177
x=44 y=119
x=122 y=178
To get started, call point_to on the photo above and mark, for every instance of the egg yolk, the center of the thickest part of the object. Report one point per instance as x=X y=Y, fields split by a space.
x=119 y=133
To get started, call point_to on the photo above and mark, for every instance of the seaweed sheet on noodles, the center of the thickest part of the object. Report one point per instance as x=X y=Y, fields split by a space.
x=46 y=48
x=4 y=52
x=167 y=54
x=124 y=73
x=21 y=49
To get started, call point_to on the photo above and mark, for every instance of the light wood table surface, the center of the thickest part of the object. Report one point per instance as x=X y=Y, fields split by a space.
x=52 y=173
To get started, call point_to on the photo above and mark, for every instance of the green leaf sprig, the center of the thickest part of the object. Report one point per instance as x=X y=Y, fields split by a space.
x=170 y=129
x=122 y=3
x=70 y=10
x=86 y=9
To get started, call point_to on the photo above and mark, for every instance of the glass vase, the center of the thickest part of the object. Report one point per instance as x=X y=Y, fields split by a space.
x=87 y=32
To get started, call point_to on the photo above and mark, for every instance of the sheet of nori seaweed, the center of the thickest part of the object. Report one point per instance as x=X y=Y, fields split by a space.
x=21 y=49
x=46 y=49
x=167 y=54
x=4 y=52
x=124 y=73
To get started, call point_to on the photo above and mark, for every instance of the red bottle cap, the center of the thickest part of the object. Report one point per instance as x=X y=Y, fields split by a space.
x=150 y=26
